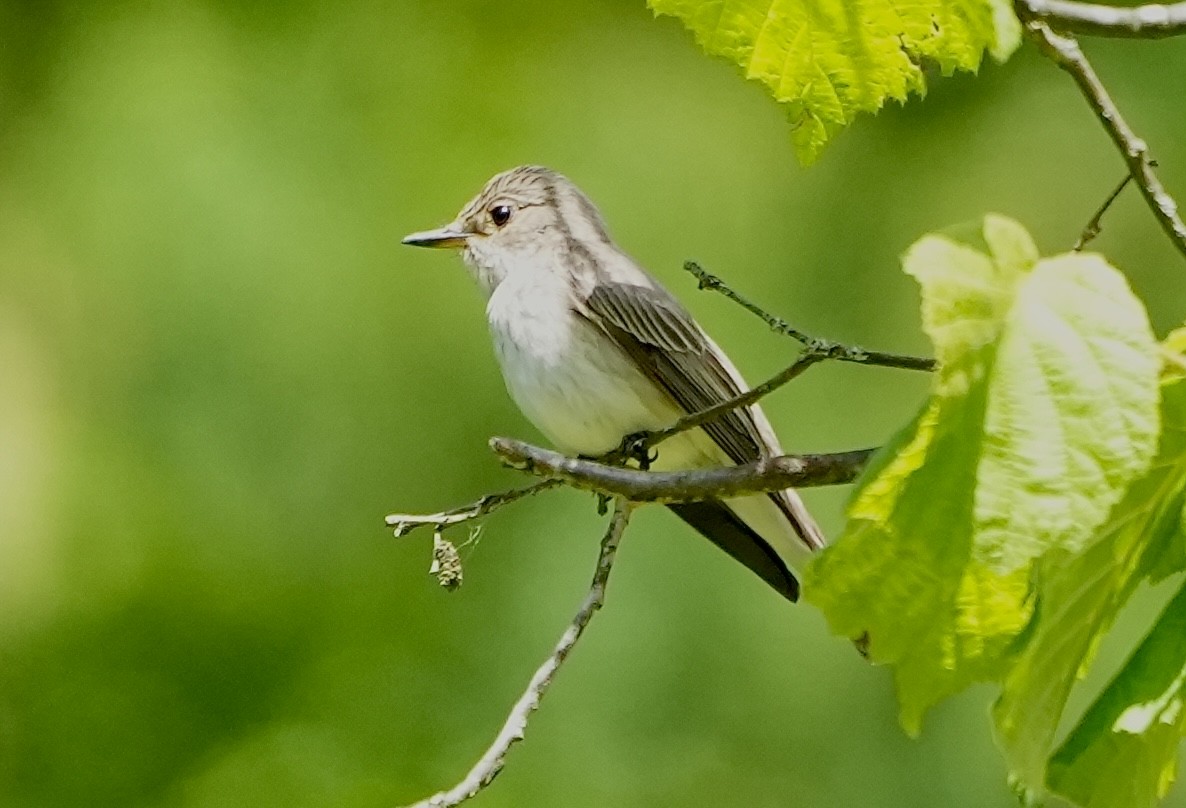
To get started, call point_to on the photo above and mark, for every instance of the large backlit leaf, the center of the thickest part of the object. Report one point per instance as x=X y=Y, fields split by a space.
x=1044 y=409
x=830 y=59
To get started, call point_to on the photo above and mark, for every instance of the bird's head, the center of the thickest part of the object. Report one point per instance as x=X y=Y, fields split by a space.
x=527 y=219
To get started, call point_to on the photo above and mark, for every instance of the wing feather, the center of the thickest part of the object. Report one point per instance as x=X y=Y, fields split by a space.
x=659 y=334
x=663 y=339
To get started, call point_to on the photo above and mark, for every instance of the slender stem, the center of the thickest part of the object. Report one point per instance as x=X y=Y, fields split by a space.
x=792 y=371
x=1092 y=228
x=405 y=523
x=815 y=350
x=1066 y=53
x=1151 y=21
x=827 y=349
x=515 y=726
x=768 y=474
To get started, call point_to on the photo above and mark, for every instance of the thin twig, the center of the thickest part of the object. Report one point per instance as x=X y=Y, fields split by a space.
x=806 y=359
x=815 y=350
x=405 y=523
x=1151 y=21
x=826 y=349
x=1092 y=228
x=491 y=763
x=768 y=474
x=1066 y=53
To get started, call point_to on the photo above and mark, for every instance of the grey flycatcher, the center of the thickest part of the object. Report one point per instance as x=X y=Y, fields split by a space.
x=593 y=348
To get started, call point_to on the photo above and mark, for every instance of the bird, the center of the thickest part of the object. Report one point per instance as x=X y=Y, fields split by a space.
x=593 y=348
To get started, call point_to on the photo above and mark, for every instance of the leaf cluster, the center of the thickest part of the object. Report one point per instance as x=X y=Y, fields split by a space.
x=998 y=536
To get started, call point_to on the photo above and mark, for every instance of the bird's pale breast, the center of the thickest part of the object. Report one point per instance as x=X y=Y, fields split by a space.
x=575 y=385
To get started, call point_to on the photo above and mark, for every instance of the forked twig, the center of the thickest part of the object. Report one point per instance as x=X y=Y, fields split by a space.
x=405 y=523
x=825 y=348
x=815 y=350
x=1065 y=52
x=513 y=730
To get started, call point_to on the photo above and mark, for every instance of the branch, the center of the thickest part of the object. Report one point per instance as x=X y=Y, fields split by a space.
x=814 y=350
x=768 y=474
x=826 y=349
x=491 y=763
x=1066 y=53
x=1092 y=228
x=1141 y=22
x=405 y=523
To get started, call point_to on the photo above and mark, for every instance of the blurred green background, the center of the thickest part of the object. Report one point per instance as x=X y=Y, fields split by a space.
x=219 y=370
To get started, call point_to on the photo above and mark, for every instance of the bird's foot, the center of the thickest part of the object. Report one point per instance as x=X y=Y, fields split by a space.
x=636 y=447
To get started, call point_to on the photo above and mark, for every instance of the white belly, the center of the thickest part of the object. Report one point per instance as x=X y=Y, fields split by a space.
x=575 y=385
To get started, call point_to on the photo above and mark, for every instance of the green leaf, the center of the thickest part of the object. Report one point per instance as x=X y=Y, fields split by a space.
x=1043 y=410
x=1073 y=611
x=1080 y=596
x=1165 y=553
x=1174 y=355
x=1124 y=753
x=830 y=59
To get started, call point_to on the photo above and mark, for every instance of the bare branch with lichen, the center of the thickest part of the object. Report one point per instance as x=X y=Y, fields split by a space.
x=1152 y=21
x=767 y=474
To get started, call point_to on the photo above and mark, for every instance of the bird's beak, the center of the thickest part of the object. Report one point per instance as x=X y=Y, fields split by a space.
x=447 y=236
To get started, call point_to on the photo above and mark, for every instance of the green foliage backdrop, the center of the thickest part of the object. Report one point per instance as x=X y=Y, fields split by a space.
x=218 y=370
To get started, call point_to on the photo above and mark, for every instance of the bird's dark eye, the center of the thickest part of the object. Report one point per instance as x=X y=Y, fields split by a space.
x=500 y=214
